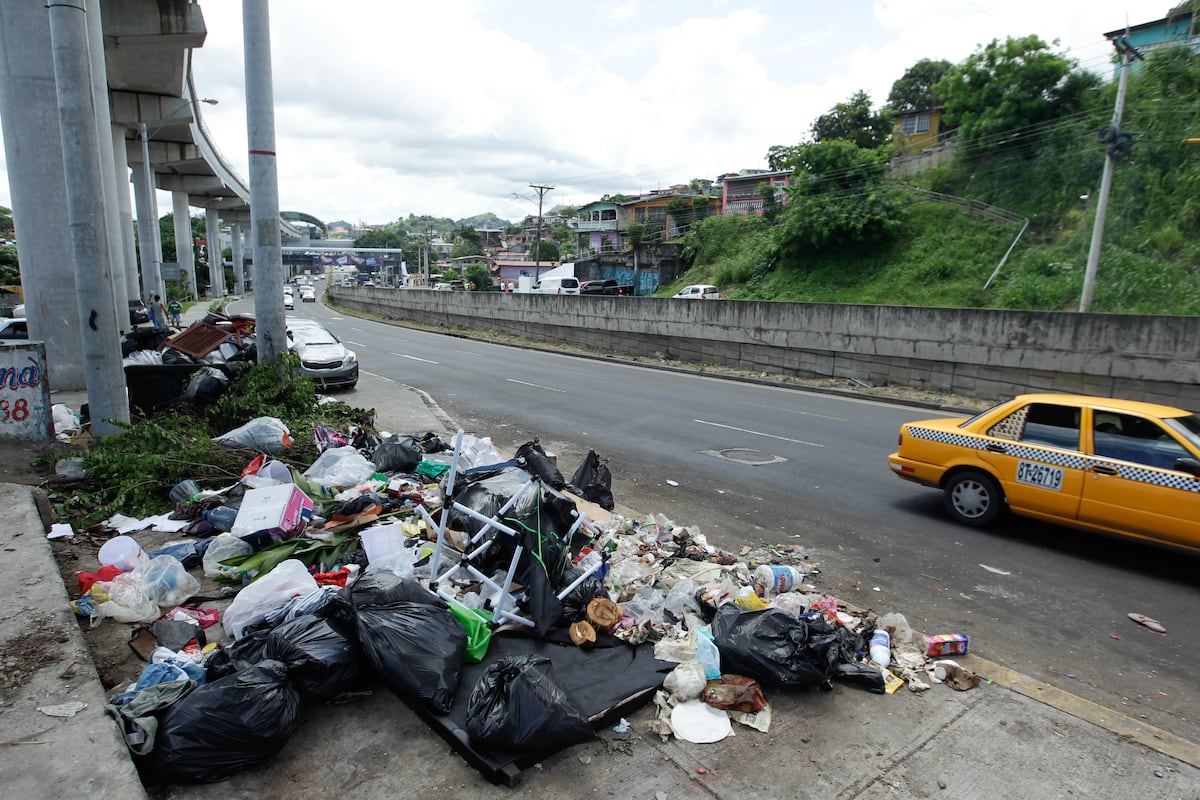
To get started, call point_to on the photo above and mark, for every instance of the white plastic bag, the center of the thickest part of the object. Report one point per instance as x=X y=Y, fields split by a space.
x=164 y=581
x=340 y=467
x=476 y=452
x=127 y=601
x=686 y=681
x=268 y=434
x=271 y=591
x=226 y=545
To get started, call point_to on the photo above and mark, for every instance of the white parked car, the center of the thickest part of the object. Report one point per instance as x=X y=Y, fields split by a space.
x=288 y=303
x=699 y=291
x=564 y=285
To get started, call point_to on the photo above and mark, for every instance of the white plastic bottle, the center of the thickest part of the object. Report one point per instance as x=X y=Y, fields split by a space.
x=881 y=647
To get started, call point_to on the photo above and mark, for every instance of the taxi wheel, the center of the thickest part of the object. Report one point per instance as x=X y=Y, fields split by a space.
x=973 y=498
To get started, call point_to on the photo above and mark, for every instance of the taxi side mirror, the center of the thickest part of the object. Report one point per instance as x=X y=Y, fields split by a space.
x=1188 y=465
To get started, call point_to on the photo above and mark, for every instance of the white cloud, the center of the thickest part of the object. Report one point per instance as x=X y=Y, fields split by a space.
x=385 y=109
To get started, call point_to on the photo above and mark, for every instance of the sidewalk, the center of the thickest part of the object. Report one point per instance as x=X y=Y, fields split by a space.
x=991 y=741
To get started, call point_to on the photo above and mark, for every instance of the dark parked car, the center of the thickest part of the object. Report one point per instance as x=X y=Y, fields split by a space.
x=138 y=313
x=606 y=286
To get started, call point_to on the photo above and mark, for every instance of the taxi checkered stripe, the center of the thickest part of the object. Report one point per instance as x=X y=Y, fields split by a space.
x=1167 y=478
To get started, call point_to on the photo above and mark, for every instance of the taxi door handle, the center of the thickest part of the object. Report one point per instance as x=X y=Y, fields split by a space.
x=1104 y=469
x=997 y=448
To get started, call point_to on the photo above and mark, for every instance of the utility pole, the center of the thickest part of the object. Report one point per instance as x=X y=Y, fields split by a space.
x=270 y=327
x=1128 y=53
x=108 y=401
x=537 y=242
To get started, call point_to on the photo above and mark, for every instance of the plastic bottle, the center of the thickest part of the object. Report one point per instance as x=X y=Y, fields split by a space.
x=771 y=580
x=881 y=647
x=221 y=517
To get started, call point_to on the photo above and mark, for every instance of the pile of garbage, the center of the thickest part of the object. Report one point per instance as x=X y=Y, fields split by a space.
x=465 y=581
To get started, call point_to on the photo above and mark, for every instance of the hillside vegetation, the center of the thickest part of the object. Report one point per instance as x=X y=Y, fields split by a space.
x=851 y=232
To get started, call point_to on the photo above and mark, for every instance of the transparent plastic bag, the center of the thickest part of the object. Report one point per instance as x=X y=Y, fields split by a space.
x=686 y=681
x=165 y=582
x=269 y=592
x=268 y=434
x=646 y=605
x=682 y=598
x=127 y=601
x=226 y=545
x=340 y=467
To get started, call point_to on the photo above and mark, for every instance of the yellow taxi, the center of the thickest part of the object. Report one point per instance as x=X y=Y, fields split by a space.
x=1112 y=466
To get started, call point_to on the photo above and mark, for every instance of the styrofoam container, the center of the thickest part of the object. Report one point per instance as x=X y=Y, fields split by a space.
x=281 y=510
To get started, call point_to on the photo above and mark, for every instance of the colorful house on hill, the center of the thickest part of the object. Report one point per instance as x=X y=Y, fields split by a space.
x=915 y=130
x=599 y=225
x=1179 y=27
x=739 y=193
x=655 y=212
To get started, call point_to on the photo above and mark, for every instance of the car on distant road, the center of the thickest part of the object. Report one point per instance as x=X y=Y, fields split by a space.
x=323 y=357
x=699 y=291
x=557 y=285
x=1097 y=464
x=288 y=302
x=308 y=294
x=606 y=286
x=138 y=313
x=14 y=328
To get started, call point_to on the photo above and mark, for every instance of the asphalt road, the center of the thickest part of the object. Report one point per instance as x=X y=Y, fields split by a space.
x=754 y=465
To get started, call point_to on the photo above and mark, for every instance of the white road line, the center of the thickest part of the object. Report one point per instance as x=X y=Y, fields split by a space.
x=356 y=344
x=800 y=413
x=360 y=330
x=381 y=377
x=536 y=386
x=758 y=433
x=414 y=358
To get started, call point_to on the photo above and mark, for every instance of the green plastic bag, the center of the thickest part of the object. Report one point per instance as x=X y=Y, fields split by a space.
x=477 y=624
x=431 y=470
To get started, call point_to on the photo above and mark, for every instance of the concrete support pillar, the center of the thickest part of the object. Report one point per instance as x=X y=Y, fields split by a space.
x=216 y=269
x=108 y=169
x=87 y=217
x=37 y=185
x=185 y=251
x=128 y=247
x=239 y=273
x=149 y=242
x=269 y=330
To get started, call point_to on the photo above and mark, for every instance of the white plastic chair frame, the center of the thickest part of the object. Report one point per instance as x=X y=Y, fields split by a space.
x=500 y=614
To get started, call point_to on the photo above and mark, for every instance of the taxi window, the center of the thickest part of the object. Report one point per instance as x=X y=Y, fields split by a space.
x=1041 y=423
x=1135 y=439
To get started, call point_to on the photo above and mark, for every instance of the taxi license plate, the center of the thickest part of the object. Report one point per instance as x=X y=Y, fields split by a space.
x=1043 y=475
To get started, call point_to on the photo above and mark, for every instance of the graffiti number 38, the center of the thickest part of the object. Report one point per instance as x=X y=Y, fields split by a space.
x=17 y=411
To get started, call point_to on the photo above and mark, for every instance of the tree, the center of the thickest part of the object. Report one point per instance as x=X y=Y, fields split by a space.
x=10 y=270
x=467 y=242
x=479 y=277
x=680 y=211
x=855 y=122
x=914 y=91
x=771 y=206
x=839 y=196
x=781 y=157
x=636 y=232
x=388 y=236
x=562 y=233
x=544 y=250
x=6 y=223
x=1000 y=94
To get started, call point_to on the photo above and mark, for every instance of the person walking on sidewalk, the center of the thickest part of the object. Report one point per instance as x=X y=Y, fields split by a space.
x=158 y=313
x=175 y=309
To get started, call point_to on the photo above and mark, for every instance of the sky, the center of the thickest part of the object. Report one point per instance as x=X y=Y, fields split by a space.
x=453 y=108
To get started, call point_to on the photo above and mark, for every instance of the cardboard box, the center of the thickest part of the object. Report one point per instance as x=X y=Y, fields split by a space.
x=280 y=510
x=946 y=644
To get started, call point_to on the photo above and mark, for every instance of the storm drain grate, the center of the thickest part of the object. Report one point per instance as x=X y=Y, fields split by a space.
x=745 y=455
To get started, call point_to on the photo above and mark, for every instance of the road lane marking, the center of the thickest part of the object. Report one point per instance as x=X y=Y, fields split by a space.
x=376 y=375
x=536 y=386
x=758 y=433
x=360 y=330
x=800 y=413
x=414 y=358
x=356 y=344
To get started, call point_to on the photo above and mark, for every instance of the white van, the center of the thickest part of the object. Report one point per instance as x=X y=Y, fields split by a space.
x=564 y=285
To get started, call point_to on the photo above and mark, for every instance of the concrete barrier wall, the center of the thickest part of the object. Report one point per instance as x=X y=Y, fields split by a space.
x=991 y=354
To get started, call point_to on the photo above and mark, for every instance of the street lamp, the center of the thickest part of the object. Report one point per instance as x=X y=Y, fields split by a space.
x=159 y=288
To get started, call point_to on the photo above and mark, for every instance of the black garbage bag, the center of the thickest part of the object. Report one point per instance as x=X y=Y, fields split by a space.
x=207 y=386
x=418 y=649
x=225 y=726
x=575 y=604
x=236 y=655
x=538 y=463
x=321 y=661
x=594 y=481
x=861 y=674
x=516 y=706
x=399 y=453
x=774 y=647
x=374 y=588
x=432 y=443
